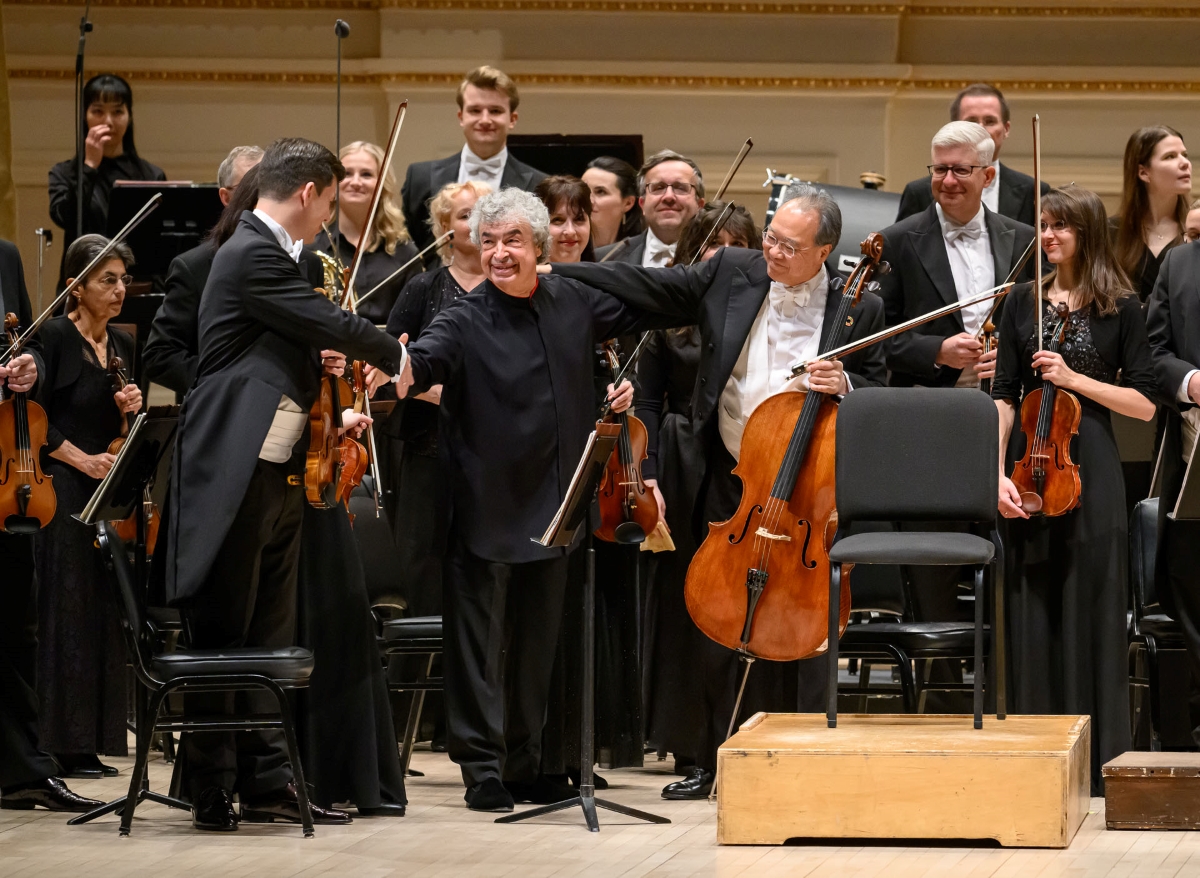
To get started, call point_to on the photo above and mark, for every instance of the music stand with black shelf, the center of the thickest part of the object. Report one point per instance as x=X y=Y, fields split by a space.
x=575 y=512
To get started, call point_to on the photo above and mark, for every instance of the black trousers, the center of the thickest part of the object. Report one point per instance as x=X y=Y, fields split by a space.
x=501 y=632
x=249 y=600
x=1182 y=547
x=21 y=760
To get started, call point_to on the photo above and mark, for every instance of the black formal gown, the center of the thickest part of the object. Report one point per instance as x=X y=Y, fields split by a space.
x=97 y=190
x=344 y=717
x=81 y=654
x=376 y=267
x=1146 y=273
x=673 y=706
x=1066 y=576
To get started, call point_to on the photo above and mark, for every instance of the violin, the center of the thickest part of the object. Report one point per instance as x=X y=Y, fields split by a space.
x=759 y=582
x=27 y=499
x=352 y=452
x=628 y=512
x=323 y=461
x=116 y=373
x=127 y=528
x=1046 y=477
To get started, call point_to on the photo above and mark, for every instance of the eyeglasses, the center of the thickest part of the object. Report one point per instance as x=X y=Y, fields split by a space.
x=789 y=249
x=1056 y=226
x=1191 y=235
x=680 y=189
x=939 y=172
x=111 y=280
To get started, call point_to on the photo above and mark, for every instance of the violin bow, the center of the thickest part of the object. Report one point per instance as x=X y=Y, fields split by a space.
x=448 y=236
x=1037 y=219
x=1017 y=269
x=723 y=217
x=16 y=347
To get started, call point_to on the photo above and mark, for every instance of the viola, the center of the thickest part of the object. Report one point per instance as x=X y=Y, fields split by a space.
x=353 y=454
x=323 y=461
x=628 y=512
x=27 y=499
x=759 y=582
x=1046 y=477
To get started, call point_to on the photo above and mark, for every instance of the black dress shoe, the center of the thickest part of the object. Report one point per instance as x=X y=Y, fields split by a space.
x=576 y=778
x=383 y=809
x=491 y=795
x=213 y=811
x=284 y=805
x=697 y=785
x=543 y=791
x=51 y=794
x=79 y=767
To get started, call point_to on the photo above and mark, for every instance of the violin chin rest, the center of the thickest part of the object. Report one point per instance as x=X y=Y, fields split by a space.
x=1031 y=503
x=629 y=533
x=20 y=524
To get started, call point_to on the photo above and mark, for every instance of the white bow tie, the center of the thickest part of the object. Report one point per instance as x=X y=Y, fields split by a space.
x=971 y=231
x=492 y=167
x=657 y=251
x=297 y=249
x=786 y=299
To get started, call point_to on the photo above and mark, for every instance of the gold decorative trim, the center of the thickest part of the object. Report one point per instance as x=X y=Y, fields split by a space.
x=687 y=7
x=648 y=81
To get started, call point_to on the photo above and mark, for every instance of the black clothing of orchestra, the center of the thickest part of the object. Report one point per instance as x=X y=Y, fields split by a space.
x=1173 y=327
x=81 y=655
x=234 y=521
x=22 y=760
x=172 y=351
x=423 y=180
x=724 y=296
x=628 y=250
x=376 y=267
x=418 y=499
x=515 y=414
x=1066 y=576
x=1145 y=275
x=97 y=191
x=1016 y=199
x=921 y=281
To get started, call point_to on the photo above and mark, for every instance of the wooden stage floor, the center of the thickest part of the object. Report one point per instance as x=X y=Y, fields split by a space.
x=440 y=837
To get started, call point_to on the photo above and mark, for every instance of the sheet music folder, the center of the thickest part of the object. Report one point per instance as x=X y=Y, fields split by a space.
x=573 y=511
x=144 y=458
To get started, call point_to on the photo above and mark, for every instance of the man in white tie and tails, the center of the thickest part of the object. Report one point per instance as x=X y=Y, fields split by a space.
x=670 y=192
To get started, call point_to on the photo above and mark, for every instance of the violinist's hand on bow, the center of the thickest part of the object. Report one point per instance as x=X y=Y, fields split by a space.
x=333 y=363
x=621 y=397
x=129 y=399
x=1009 y=502
x=20 y=374
x=828 y=376
x=1054 y=369
x=985 y=367
x=959 y=351
x=354 y=424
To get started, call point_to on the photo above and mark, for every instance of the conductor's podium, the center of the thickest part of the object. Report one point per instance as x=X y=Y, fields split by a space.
x=1023 y=781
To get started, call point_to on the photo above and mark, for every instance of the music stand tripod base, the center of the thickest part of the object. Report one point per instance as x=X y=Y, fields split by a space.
x=588 y=801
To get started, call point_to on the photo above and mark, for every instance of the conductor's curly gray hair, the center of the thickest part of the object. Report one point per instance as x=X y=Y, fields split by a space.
x=513 y=205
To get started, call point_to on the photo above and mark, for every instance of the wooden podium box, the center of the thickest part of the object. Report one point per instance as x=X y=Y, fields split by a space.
x=1023 y=781
x=1152 y=791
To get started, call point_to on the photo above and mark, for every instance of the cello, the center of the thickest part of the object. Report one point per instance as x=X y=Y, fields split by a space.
x=27 y=499
x=759 y=583
x=627 y=510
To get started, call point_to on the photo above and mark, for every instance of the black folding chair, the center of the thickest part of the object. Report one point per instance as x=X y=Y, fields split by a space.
x=916 y=454
x=421 y=637
x=197 y=670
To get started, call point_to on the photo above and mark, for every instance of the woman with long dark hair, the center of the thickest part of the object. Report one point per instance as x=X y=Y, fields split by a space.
x=109 y=154
x=81 y=656
x=1066 y=575
x=615 y=211
x=1154 y=203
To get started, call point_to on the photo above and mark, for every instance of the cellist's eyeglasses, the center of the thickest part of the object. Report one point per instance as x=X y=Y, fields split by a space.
x=789 y=249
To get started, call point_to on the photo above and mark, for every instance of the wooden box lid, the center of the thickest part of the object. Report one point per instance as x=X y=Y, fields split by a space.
x=1135 y=763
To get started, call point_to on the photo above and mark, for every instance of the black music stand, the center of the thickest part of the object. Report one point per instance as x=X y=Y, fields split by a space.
x=574 y=512
x=184 y=216
x=142 y=464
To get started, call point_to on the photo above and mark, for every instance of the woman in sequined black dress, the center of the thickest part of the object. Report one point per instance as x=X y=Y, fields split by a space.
x=1066 y=576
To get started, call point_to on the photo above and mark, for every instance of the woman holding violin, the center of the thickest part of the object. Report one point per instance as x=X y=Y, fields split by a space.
x=1067 y=555
x=81 y=657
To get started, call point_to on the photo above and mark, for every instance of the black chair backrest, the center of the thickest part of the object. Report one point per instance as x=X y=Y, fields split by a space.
x=917 y=454
x=1143 y=546
x=376 y=548
x=134 y=626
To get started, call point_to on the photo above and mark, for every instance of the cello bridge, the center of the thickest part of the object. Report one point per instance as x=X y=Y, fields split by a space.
x=767 y=535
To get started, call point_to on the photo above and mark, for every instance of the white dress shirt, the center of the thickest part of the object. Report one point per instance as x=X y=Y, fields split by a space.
x=491 y=171
x=787 y=329
x=289 y=421
x=969 y=250
x=657 y=254
x=991 y=194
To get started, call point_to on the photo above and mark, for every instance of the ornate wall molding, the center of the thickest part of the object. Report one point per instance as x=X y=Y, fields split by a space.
x=687 y=7
x=636 y=81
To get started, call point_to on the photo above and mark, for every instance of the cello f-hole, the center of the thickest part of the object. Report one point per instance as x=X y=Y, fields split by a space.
x=804 y=523
x=745 y=525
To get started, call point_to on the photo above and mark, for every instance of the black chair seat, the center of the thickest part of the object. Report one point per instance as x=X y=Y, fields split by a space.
x=914 y=638
x=934 y=548
x=289 y=663
x=396 y=631
x=1163 y=629
x=164 y=618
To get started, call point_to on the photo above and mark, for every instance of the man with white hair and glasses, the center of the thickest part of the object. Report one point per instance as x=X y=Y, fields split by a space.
x=514 y=359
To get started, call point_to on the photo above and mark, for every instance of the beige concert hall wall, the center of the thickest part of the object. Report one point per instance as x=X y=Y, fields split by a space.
x=827 y=90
